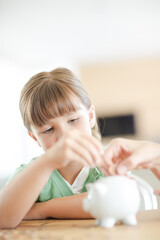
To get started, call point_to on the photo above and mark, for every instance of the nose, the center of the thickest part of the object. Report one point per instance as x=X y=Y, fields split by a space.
x=62 y=129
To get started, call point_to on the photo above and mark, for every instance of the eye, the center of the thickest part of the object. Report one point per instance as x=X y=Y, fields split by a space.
x=49 y=130
x=73 y=120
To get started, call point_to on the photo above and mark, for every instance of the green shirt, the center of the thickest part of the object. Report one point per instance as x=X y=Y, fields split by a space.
x=56 y=186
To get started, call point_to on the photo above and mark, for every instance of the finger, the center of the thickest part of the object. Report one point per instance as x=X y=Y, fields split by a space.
x=94 y=141
x=107 y=170
x=114 y=154
x=104 y=171
x=89 y=144
x=128 y=164
x=156 y=172
x=75 y=157
x=108 y=156
x=112 y=170
x=82 y=152
x=157 y=192
x=121 y=155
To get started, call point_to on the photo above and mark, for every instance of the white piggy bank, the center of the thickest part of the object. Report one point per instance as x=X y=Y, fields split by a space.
x=112 y=199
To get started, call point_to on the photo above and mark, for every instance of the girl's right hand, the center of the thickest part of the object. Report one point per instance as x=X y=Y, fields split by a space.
x=75 y=146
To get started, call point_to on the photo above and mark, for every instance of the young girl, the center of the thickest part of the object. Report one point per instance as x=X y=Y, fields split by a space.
x=59 y=116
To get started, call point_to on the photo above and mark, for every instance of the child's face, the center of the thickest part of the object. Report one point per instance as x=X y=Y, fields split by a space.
x=47 y=135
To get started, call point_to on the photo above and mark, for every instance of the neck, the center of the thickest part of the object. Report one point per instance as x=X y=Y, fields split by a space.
x=71 y=171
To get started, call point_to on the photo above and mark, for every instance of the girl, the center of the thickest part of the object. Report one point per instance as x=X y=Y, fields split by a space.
x=59 y=116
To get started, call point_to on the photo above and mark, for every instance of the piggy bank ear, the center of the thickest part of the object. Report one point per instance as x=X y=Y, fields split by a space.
x=101 y=189
x=88 y=186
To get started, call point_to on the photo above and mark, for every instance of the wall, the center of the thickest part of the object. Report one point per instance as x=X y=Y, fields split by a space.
x=125 y=87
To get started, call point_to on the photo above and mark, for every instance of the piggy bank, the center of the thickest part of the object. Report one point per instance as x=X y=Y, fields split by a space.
x=112 y=199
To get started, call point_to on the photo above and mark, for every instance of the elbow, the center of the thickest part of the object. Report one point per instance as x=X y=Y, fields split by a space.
x=8 y=225
x=9 y=221
x=8 y=218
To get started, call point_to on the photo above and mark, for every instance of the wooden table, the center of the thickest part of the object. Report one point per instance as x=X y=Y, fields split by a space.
x=148 y=228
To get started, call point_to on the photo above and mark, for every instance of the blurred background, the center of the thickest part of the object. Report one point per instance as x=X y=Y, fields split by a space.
x=113 y=46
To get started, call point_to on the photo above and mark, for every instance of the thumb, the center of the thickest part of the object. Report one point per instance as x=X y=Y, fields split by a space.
x=127 y=164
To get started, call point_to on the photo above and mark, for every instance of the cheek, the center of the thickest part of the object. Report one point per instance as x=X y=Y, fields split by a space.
x=85 y=127
x=47 y=142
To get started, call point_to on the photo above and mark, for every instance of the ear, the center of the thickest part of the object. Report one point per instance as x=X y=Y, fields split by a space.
x=34 y=138
x=92 y=117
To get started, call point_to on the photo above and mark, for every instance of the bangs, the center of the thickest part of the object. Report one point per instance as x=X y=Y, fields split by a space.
x=51 y=101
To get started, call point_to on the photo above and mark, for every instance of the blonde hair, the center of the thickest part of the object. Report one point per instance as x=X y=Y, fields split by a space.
x=51 y=94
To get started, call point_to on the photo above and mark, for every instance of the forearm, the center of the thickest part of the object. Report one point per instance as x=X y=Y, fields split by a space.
x=18 y=196
x=65 y=207
x=37 y=211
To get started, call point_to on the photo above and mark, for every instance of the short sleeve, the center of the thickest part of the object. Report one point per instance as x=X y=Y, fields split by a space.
x=17 y=171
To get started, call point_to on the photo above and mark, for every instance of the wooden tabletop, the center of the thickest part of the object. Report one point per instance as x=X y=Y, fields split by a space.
x=148 y=228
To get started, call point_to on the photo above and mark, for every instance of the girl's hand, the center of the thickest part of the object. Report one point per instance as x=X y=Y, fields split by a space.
x=75 y=146
x=123 y=155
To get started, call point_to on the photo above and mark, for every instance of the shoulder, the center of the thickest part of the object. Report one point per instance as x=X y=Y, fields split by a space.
x=18 y=170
